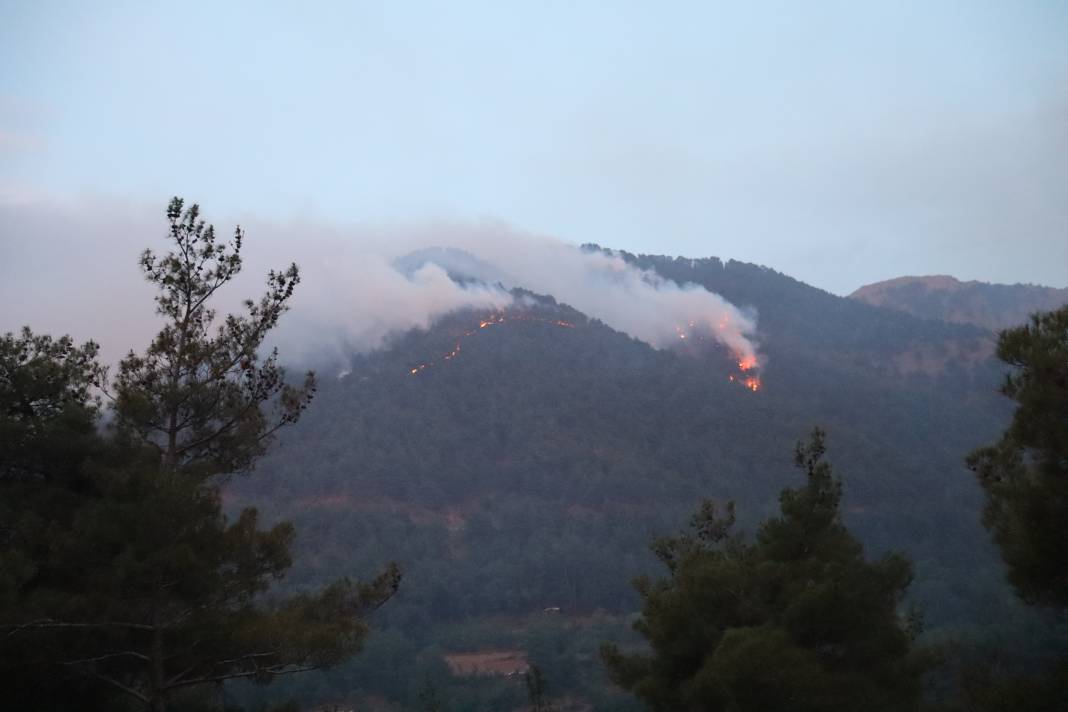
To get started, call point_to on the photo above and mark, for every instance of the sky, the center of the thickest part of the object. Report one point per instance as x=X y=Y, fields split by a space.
x=839 y=142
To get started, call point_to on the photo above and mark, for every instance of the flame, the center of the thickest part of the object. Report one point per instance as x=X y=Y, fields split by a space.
x=751 y=382
x=747 y=363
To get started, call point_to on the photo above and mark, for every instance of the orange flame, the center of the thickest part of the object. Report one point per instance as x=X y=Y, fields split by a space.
x=748 y=365
x=751 y=382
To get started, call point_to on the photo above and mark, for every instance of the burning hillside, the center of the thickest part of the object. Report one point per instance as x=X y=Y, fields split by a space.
x=747 y=362
x=494 y=319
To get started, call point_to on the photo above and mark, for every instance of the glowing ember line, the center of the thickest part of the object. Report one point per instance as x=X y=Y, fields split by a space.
x=492 y=320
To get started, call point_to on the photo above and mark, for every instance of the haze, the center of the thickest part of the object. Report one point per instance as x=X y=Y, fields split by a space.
x=839 y=143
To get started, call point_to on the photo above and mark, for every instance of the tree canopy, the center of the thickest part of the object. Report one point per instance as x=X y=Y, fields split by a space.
x=796 y=620
x=1025 y=477
x=1025 y=473
x=122 y=578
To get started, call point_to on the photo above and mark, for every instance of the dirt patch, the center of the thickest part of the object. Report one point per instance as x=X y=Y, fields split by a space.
x=488 y=662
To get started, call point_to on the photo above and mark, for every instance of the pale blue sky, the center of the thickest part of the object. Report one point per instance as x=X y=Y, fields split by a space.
x=840 y=142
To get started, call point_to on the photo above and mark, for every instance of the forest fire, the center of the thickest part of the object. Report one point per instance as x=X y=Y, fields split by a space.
x=492 y=320
x=747 y=363
x=750 y=382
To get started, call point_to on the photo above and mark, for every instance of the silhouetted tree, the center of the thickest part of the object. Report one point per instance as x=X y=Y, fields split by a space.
x=139 y=582
x=1025 y=474
x=796 y=620
x=537 y=690
x=1025 y=477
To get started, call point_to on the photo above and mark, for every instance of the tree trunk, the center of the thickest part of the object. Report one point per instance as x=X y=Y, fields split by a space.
x=157 y=701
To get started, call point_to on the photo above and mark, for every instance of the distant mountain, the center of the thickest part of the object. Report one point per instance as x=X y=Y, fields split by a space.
x=460 y=265
x=991 y=306
x=519 y=461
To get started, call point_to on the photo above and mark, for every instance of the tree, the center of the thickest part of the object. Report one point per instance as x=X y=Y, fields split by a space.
x=1025 y=473
x=796 y=620
x=47 y=434
x=537 y=690
x=48 y=407
x=198 y=398
x=151 y=590
x=1025 y=478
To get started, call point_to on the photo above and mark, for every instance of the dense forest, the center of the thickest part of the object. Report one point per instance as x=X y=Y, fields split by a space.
x=532 y=470
x=498 y=481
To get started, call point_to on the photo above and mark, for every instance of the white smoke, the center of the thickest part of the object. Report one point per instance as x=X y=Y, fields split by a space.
x=358 y=289
x=353 y=295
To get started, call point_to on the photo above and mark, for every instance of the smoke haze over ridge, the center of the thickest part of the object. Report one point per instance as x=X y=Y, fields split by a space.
x=72 y=268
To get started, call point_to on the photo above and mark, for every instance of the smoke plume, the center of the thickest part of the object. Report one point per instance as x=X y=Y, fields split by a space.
x=73 y=270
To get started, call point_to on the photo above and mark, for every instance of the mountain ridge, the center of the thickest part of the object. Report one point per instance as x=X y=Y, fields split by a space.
x=988 y=305
x=533 y=467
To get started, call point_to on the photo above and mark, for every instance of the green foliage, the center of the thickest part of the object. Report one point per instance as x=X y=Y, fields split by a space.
x=537 y=690
x=987 y=690
x=198 y=398
x=797 y=620
x=47 y=422
x=121 y=573
x=545 y=442
x=1025 y=474
x=533 y=470
x=47 y=434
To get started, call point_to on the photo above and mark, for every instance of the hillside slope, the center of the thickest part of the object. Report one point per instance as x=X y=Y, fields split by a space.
x=990 y=306
x=523 y=460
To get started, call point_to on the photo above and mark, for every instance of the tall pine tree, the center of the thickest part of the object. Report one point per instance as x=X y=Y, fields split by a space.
x=1025 y=473
x=1025 y=477
x=797 y=620
x=138 y=587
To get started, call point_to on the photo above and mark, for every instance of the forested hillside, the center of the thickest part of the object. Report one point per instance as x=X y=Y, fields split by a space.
x=524 y=460
x=991 y=306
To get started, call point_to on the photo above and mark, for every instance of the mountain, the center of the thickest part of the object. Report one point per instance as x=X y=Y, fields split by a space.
x=460 y=265
x=523 y=461
x=991 y=306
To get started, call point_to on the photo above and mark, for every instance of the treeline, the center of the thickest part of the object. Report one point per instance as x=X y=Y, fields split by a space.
x=541 y=452
x=124 y=585
x=518 y=486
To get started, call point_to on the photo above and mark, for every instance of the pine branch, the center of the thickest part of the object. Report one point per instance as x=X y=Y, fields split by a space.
x=125 y=688
x=274 y=671
x=49 y=623
x=106 y=656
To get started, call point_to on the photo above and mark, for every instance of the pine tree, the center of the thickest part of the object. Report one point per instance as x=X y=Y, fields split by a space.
x=537 y=690
x=1025 y=477
x=48 y=432
x=797 y=620
x=148 y=589
x=1025 y=474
